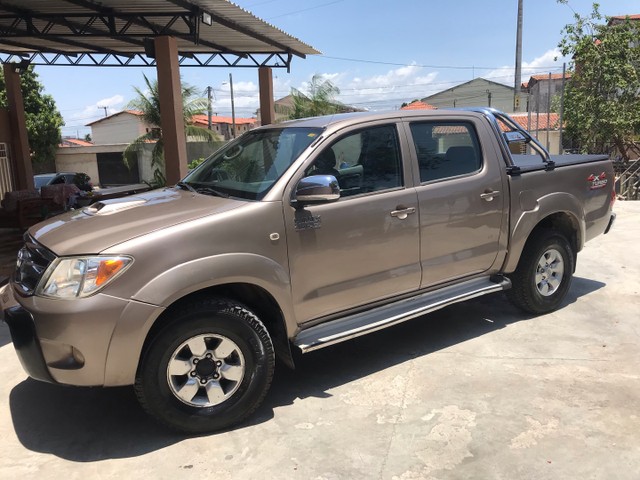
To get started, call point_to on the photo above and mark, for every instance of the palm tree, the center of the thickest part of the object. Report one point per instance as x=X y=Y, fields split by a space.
x=319 y=101
x=148 y=102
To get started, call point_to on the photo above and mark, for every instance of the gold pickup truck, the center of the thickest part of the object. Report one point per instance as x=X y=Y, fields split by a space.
x=298 y=236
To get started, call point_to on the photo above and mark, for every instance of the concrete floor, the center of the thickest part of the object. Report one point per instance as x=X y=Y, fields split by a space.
x=477 y=390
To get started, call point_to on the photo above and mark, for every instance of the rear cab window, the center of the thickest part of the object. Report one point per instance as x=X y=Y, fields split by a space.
x=446 y=149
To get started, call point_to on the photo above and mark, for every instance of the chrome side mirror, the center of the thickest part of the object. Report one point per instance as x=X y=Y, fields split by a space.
x=317 y=189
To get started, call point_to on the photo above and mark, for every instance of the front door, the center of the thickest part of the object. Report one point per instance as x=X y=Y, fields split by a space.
x=364 y=247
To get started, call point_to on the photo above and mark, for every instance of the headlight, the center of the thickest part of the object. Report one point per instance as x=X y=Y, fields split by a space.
x=81 y=276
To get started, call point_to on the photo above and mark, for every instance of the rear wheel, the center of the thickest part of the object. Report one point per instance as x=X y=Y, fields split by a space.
x=208 y=369
x=543 y=276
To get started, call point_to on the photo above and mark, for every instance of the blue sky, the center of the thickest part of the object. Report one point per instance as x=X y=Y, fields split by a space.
x=379 y=53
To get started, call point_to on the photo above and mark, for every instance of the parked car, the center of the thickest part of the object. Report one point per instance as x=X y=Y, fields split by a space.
x=298 y=235
x=81 y=180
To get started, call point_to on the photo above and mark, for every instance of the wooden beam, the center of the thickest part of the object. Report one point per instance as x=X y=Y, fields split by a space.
x=21 y=153
x=171 y=113
x=267 y=108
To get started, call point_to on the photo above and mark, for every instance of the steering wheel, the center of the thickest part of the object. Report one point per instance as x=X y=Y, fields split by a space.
x=233 y=152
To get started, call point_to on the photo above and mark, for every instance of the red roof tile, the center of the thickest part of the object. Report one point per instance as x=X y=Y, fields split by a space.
x=631 y=17
x=419 y=106
x=75 y=142
x=202 y=120
x=522 y=119
x=131 y=112
x=545 y=76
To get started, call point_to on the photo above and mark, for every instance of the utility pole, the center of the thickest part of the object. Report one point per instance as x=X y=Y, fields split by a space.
x=548 y=111
x=518 y=74
x=209 y=89
x=560 y=126
x=105 y=110
x=233 y=108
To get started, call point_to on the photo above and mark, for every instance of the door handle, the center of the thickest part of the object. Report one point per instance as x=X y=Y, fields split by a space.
x=402 y=212
x=489 y=194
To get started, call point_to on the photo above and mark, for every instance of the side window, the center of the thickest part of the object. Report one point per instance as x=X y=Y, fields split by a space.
x=364 y=161
x=446 y=149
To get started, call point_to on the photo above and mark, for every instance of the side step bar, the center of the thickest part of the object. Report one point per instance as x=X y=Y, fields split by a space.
x=358 y=324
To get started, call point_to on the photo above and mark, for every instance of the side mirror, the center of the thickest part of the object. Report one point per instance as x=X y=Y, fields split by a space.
x=317 y=189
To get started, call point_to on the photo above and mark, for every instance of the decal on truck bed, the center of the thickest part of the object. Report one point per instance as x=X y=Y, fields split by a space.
x=597 y=181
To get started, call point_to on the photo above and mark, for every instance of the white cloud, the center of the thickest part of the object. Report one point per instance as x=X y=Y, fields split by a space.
x=95 y=111
x=549 y=61
x=381 y=91
x=390 y=89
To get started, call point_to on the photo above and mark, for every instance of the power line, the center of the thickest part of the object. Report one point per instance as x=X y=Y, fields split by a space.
x=452 y=67
x=307 y=9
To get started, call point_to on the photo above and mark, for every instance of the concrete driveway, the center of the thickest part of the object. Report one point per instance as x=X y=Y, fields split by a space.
x=477 y=390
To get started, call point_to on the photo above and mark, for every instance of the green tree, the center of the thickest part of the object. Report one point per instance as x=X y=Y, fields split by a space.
x=42 y=116
x=602 y=98
x=319 y=100
x=147 y=101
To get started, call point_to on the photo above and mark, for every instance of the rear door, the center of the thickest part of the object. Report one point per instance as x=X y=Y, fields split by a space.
x=461 y=195
x=364 y=247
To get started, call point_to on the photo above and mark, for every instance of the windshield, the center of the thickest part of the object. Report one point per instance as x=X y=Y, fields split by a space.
x=42 y=180
x=250 y=165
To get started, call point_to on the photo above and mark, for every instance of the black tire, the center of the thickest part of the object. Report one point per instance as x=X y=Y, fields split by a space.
x=542 y=294
x=236 y=362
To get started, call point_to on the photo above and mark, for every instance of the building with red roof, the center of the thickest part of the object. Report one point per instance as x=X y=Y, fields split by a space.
x=418 y=105
x=224 y=125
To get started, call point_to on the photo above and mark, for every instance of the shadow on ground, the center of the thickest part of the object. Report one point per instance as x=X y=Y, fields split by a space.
x=85 y=424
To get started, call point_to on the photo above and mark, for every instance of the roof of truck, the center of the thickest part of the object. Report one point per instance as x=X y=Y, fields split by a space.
x=326 y=120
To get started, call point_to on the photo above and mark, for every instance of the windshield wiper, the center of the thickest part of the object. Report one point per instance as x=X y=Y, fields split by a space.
x=186 y=186
x=211 y=191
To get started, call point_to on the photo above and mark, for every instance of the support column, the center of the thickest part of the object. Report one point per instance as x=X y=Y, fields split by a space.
x=21 y=154
x=267 y=109
x=171 y=114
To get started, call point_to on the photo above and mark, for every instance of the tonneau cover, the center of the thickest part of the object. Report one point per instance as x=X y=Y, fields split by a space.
x=528 y=163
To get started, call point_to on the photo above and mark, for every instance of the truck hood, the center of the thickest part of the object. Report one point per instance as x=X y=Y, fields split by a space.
x=105 y=224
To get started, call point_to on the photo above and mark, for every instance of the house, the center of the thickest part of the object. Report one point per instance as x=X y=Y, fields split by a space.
x=617 y=19
x=120 y=128
x=478 y=92
x=542 y=88
x=102 y=160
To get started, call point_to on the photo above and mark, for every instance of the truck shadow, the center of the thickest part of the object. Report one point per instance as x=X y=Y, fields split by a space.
x=91 y=424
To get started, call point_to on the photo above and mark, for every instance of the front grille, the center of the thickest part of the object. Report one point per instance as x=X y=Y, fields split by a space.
x=33 y=260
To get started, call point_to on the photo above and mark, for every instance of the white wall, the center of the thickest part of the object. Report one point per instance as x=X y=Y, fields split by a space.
x=83 y=159
x=121 y=128
x=474 y=94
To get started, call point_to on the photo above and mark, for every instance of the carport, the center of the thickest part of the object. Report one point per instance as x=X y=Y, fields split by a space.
x=165 y=34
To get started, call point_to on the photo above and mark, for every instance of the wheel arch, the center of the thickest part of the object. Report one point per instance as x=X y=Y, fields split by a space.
x=254 y=297
x=253 y=280
x=569 y=222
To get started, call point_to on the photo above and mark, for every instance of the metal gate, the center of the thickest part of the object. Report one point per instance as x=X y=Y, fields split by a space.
x=6 y=174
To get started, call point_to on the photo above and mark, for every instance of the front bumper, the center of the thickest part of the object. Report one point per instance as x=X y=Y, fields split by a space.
x=26 y=343
x=94 y=341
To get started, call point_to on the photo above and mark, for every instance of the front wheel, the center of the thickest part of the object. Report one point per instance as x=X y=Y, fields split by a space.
x=543 y=276
x=208 y=369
